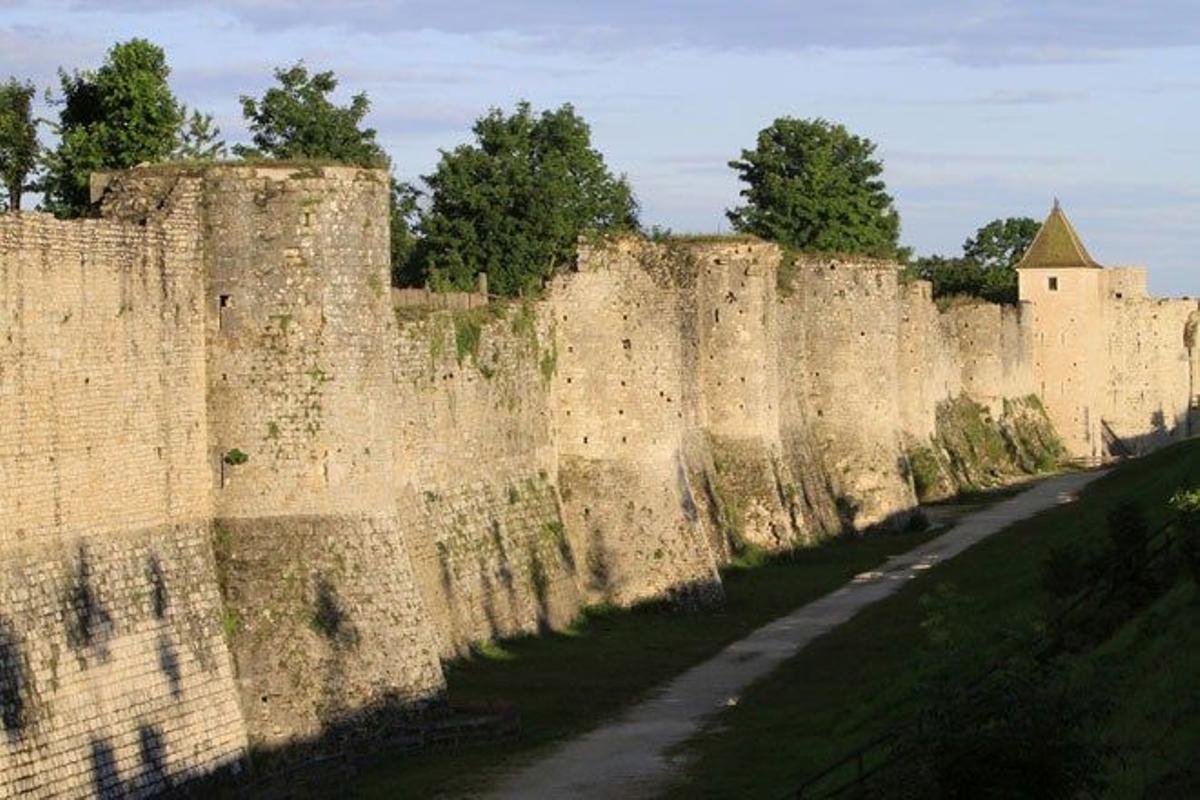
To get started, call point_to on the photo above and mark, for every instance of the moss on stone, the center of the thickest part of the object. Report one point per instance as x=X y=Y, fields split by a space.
x=972 y=451
x=926 y=472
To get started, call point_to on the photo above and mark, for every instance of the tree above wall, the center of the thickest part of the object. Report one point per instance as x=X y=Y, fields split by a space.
x=19 y=146
x=812 y=185
x=986 y=267
x=514 y=203
x=298 y=120
x=119 y=116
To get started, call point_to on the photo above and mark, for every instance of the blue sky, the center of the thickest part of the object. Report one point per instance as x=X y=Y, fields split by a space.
x=980 y=109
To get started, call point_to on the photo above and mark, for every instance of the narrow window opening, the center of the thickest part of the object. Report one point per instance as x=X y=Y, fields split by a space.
x=1053 y=283
x=222 y=304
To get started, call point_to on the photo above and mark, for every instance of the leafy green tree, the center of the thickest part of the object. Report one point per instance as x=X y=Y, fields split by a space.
x=403 y=219
x=1001 y=243
x=199 y=139
x=812 y=185
x=19 y=146
x=515 y=203
x=297 y=120
x=119 y=116
x=986 y=267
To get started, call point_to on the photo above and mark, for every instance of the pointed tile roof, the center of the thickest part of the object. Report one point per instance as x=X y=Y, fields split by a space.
x=1057 y=245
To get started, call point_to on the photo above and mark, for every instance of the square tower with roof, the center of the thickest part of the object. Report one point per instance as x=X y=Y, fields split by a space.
x=1062 y=290
x=1112 y=365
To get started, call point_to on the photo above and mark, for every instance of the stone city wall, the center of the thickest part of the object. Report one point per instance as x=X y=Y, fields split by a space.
x=476 y=471
x=249 y=495
x=114 y=675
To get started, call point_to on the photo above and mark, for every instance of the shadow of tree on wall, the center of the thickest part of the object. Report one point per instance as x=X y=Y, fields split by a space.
x=152 y=750
x=168 y=662
x=159 y=599
x=106 y=779
x=1159 y=434
x=88 y=623
x=333 y=624
x=539 y=581
x=330 y=619
x=599 y=573
x=152 y=778
x=14 y=683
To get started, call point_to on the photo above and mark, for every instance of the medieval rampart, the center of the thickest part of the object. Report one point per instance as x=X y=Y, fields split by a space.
x=249 y=495
x=114 y=676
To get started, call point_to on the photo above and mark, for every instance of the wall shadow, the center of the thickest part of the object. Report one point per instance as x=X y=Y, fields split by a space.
x=1159 y=433
x=89 y=625
x=321 y=766
x=14 y=683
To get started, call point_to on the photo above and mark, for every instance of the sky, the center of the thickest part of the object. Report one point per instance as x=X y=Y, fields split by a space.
x=980 y=108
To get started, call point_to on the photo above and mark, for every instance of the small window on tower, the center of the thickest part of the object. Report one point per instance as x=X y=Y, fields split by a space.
x=1054 y=284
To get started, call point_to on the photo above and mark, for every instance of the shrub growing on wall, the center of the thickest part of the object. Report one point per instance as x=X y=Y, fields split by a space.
x=514 y=203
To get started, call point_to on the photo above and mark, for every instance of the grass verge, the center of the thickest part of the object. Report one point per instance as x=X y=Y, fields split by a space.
x=568 y=681
x=858 y=680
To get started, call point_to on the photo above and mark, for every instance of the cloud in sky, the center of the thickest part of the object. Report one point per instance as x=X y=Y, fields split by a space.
x=970 y=31
x=981 y=108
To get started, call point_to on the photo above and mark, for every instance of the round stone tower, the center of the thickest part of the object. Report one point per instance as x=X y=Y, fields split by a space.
x=323 y=614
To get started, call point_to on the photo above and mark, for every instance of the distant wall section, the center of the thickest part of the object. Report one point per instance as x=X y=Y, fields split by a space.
x=630 y=453
x=476 y=471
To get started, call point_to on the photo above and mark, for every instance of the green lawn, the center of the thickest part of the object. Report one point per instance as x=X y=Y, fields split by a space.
x=1155 y=729
x=563 y=683
x=857 y=680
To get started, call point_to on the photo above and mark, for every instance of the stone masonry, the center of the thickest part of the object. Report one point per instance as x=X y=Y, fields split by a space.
x=248 y=498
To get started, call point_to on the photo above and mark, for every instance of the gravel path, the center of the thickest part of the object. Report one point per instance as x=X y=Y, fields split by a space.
x=626 y=757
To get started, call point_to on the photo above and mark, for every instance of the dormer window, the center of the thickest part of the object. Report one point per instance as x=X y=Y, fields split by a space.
x=1053 y=284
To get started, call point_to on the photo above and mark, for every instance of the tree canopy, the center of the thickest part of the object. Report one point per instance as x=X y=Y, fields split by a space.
x=515 y=202
x=812 y=185
x=119 y=116
x=297 y=120
x=986 y=267
x=199 y=139
x=19 y=147
x=1001 y=243
x=403 y=217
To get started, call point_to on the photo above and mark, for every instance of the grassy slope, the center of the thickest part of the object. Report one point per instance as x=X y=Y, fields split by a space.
x=566 y=682
x=844 y=687
x=1155 y=728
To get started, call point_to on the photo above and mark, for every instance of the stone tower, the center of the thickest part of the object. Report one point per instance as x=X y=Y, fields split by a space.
x=321 y=611
x=327 y=618
x=1063 y=288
